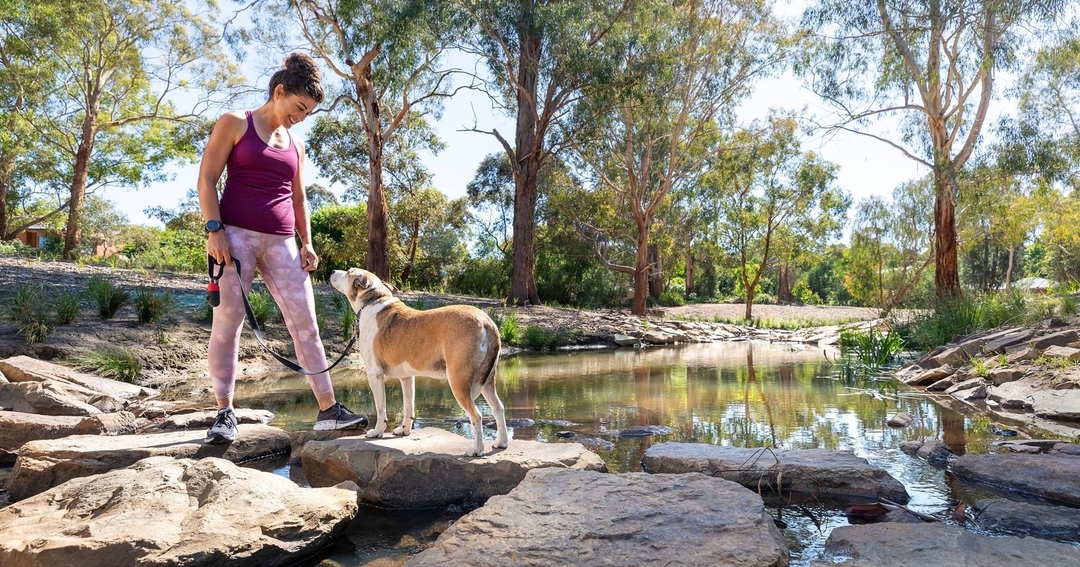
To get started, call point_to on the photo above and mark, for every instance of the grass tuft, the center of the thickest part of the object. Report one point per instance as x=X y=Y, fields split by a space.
x=117 y=363
x=108 y=296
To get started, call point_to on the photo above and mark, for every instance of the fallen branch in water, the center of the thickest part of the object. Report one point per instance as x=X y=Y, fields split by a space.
x=894 y=506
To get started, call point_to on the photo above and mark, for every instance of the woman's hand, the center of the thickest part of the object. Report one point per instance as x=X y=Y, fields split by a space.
x=309 y=260
x=217 y=247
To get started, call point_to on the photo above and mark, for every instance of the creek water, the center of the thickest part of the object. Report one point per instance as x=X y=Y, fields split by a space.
x=740 y=394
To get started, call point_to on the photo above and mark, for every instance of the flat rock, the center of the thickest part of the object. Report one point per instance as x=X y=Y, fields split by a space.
x=17 y=428
x=953 y=356
x=1024 y=519
x=26 y=369
x=1066 y=448
x=1069 y=353
x=429 y=469
x=1057 y=404
x=1001 y=376
x=998 y=345
x=935 y=452
x=56 y=398
x=900 y=420
x=937 y=545
x=204 y=419
x=1054 y=476
x=624 y=340
x=587 y=519
x=822 y=473
x=930 y=376
x=44 y=464
x=1060 y=338
x=297 y=440
x=163 y=511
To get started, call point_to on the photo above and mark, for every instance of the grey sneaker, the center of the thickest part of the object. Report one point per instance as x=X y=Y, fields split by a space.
x=338 y=416
x=224 y=429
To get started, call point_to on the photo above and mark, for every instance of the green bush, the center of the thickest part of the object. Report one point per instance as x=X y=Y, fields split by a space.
x=510 y=329
x=541 y=339
x=116 y=363
x=67 y=308
x=872 y=348
x=151 y=306
x=27 y=307
x=671 y=299
x=108 y=297
x=955 y=317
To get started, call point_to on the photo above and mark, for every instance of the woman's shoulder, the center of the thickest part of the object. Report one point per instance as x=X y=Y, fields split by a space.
x=232 y=123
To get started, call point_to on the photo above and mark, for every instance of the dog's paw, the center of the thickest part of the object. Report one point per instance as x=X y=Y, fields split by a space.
x=501 y=444
x=372 y=434
x=402 y=432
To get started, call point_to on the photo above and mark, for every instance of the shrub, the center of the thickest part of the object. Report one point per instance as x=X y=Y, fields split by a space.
x=108 y=297
x=28 y=309
x=263 y=306
x=67 y=308
x=541 y=339
x=151 y=306
x=510 y=328
x=671 y=299
x=116 y=363
x=874 y=349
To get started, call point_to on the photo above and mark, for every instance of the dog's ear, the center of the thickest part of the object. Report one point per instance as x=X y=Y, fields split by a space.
x=393 y=289
x=361 y=282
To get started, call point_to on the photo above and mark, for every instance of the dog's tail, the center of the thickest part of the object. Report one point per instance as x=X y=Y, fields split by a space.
x=491 y=360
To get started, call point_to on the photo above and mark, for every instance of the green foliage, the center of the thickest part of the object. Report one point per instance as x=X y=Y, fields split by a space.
x=107 y=296
x=67 y=308
x=27 y=307
x=979 y=368
x=951 y=318
x=1068 y=303
x=339 y=235
x=484 y=277
x=510 y=328
x=538 y=338
x=117 y=363
x=671 y=299
x=872 y=348
x=263 y=307
x=152 y=306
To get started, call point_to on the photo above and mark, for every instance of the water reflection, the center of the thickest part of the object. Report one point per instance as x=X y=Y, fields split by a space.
x=738 y=394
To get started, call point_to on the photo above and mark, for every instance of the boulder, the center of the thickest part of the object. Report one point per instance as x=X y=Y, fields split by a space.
x=1001 y=376
x=45 y=464
x=822 y=473
x=942 y=385
x=1024 y=519
x=1066 y=448
x=624 y=340
x=998 y=345
x=26 y=369
x=952 y=356
x=1054 y=476
x=56 y=398
x=935 y=452
x=297 y=440
x=429 y=469
x=968 y=384
x=1023 y=355
x=899 y=420
x=1069 y=353
x=1057 y=404
x=586 y=519
x=17 y=428
x=164 y=511
x=930 y=376
x=1060 y=338
x=937 y=545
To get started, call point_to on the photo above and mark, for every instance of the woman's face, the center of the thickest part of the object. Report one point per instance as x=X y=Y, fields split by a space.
x=293 y=108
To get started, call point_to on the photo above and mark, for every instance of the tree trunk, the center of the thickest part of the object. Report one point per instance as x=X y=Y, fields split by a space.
x=414 y=238
x=73 y=234
x=7 y=169
x=526 y=168
x=946 y=270
x=656 y=272
x=689 y=289
x=783 y=288
x=1009 y=269
x=378 y=249
x=641 y=270
x=748 y=314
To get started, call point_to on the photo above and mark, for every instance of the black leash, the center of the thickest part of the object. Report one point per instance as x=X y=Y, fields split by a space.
x=214 y=298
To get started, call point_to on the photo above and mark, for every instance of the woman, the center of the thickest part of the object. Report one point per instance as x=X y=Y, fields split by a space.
x=263 y=209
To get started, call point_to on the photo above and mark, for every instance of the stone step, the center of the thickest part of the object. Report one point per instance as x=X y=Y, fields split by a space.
x=428 y=469
x=822 y=473
x=586 y=519
x=1054 y=476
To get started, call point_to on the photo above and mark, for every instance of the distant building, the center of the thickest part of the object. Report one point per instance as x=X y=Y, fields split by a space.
x=1034 y=285
x=36 y=236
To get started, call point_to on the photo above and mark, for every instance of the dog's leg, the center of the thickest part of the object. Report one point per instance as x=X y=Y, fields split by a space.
x=499 y=411
x=408 y=395
x=378 y=395
x=465 y=396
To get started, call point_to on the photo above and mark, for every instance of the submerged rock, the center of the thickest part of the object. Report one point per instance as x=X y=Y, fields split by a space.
x=165 y=511
x=44 y=464
x=937 y=545
x=821 y=473
x=585 y=519
x=1034 y=520
x=1055 y=476
x=429 y=469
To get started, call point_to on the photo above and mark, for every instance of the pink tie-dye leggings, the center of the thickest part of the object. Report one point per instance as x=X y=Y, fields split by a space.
x=278 y=260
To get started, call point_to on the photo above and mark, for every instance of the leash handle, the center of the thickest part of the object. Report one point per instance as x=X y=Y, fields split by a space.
x=213 y=292
x=254 y=324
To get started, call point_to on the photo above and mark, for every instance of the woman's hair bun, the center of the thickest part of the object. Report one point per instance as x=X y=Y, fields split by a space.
x=304 y=65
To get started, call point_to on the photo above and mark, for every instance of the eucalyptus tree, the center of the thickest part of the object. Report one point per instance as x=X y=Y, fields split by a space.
x=683 y=69
x=929 y=65
x=890 y=245
x=388 y=57
x=542 y=56
x=114 y=114
x=998 y=213
x=773 y=191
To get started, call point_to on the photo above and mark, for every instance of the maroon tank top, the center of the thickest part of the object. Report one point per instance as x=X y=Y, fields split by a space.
x=258 y=184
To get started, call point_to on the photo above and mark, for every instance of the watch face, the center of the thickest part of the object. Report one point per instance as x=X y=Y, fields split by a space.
x=214 y=226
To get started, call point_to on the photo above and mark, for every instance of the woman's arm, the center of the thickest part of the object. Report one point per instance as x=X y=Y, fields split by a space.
x=302 y=214
x=228 y=129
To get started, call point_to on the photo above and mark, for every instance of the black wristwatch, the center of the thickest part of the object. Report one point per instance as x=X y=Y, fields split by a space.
x=213 y=226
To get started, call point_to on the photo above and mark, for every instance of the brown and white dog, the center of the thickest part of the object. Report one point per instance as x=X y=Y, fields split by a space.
x=458 y=342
